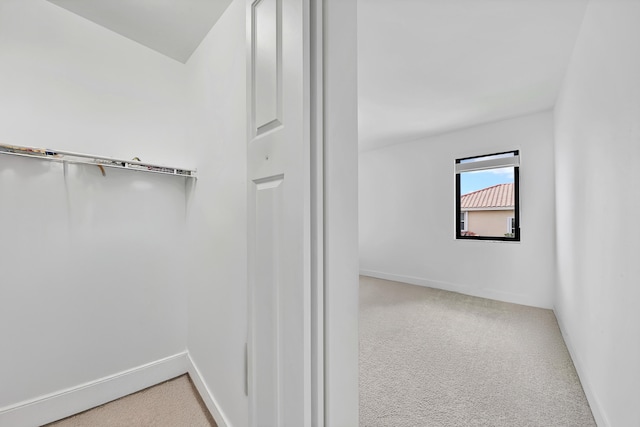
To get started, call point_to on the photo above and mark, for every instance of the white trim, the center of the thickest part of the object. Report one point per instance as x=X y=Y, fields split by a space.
x=460 y=288
x=340 y=212
x=316 y=60
x=465 y=220
x=206 y=394
x=70 y=401
x=594 y=402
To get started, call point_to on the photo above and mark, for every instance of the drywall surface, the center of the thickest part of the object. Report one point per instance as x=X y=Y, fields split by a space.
x=429 y=67
x=597 y=148
x=91 y=268
x=218 y=213
x=407 y=214
x=69 y=84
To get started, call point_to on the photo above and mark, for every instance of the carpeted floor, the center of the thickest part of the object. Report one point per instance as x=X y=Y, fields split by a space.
x=174 y=403
x=434 y=358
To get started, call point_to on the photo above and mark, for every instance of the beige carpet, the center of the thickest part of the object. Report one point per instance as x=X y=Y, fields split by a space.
x=434 y=358
x=174 y=403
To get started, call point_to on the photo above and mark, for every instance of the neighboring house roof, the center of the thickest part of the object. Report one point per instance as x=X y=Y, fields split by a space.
x=496 y=197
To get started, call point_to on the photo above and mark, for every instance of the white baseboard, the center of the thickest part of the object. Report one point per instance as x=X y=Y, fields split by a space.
x=206 y=394
x=64 y=403
x=596 y=409
x=467 y=290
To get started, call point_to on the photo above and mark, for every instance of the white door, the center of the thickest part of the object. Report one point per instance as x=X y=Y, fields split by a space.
x=279 y=212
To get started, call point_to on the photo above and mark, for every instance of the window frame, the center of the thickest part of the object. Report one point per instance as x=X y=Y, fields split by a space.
x=516 y=195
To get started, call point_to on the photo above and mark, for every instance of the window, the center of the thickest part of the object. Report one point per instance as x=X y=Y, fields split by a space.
x=511 y=226
x=487 y=197
x=463 y=221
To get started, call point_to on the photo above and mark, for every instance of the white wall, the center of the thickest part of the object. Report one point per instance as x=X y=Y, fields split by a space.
x=91 y=270
x=597 y=148
x=218 y=218
x=71 y=84
x=407 y=214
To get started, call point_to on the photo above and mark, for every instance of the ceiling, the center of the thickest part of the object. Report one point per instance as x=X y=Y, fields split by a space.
x=424 y=66
x=174 y=28
x=430 y=66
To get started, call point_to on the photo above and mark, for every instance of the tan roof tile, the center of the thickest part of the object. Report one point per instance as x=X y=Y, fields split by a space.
x=498 y=196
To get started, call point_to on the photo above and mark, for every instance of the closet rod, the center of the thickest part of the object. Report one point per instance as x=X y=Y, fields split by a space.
x=88 y=159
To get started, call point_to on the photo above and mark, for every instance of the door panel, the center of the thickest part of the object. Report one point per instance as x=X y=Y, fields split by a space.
x=266 y=293
x=278 y=168
x=267 y=49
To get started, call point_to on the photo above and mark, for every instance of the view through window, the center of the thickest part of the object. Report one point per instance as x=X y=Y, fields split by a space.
x=487 y=197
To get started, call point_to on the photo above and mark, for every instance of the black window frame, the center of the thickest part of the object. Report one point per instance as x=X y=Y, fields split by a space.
x=516 y=196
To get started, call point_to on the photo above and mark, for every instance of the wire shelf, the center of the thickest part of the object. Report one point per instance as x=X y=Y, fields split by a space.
x=99 y=161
